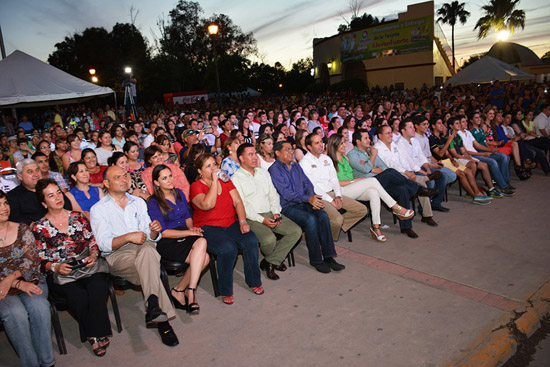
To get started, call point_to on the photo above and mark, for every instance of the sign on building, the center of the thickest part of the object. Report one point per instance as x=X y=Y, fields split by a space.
x=397 y=38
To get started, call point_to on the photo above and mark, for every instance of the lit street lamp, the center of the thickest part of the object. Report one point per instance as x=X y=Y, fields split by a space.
x=92 y=73
x=128 y=70
x=213 y=31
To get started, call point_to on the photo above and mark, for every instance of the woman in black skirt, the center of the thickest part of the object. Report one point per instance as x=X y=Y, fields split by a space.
x=180 y=240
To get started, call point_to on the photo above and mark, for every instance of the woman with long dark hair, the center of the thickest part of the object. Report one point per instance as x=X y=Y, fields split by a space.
x=217 y=206
x=105 y=147
x=96 y=171
x=181 y=241
x=362 y=188
x=74 y=154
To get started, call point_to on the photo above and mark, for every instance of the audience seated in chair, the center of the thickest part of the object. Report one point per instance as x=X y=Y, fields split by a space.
x=65 y=240
x=362 y=188
x=181 y=241
x=365 y=162
x=263 y=211
x=219 y=211
x=25 y=207
x=302 y=205
x=24 y=306
x=344 y=212
x=127 y=238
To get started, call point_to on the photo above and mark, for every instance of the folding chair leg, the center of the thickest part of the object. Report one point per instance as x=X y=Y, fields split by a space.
x=57 y=330
x=214 y=275
x=349 y=236
x=114 y=303
x=165 y=283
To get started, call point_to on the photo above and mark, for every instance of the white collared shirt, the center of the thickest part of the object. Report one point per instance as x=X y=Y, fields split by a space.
x=468 y=140
x=390 y=157
x=410 y=154
x=109 y=220
x=322 y=174
x=258 y=193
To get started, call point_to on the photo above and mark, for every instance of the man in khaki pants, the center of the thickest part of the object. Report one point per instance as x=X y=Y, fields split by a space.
x=320 y=170
x=127 y=238
x=263 y=211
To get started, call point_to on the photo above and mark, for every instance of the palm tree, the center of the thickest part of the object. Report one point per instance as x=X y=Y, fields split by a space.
x=449 y=14
x=500 y=15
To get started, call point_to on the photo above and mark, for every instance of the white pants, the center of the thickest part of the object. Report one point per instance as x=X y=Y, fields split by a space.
x=369 y=189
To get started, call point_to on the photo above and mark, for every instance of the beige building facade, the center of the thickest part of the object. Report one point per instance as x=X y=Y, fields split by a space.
x=407 y=53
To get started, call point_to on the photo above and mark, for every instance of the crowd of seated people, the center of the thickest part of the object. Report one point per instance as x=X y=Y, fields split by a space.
x=252 y=175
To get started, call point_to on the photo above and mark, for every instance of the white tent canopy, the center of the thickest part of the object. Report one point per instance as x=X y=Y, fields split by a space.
x=486 y=70
x=26 y=81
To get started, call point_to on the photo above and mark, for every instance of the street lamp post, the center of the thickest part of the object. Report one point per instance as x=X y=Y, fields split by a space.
x=213 y=31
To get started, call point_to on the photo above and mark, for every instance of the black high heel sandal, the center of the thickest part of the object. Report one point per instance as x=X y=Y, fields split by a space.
x=193 y=308
x=177 y=304
x=99 y=350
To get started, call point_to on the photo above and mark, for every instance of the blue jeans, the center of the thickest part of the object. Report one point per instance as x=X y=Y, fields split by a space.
x=316 y=226
x=499 y=166
x=441 y=183
x=400 y=188
x=224 y=242
x=27 y=321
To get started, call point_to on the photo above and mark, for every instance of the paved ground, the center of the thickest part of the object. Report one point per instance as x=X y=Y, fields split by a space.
x=422 y=302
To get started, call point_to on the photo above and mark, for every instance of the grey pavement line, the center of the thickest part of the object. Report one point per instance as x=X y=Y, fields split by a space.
x=431 y=280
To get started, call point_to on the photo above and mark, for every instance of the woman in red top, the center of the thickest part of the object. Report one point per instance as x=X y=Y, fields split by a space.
x=216 y=205
x=96 y=171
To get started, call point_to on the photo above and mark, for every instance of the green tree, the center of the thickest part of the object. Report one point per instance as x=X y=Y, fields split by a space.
x=500 y=15
x=546 y=57
x=185 y=41
x=299 y=76
x=365 y=20
x=450 y=14
x=107 y=52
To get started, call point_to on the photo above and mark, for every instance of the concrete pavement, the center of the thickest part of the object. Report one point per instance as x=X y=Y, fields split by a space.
x=424 y=302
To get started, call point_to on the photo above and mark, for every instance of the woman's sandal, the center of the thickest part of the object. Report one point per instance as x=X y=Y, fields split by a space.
x=105 y=342
x=193 y=307
x=408 y=214
x=176 y=302
x=258 y=290
x=99 y=350
x=228 y=300
x=375 y=236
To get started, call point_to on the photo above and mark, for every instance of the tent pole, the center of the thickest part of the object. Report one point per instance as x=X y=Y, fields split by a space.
x=2 y=49
x=116 y=109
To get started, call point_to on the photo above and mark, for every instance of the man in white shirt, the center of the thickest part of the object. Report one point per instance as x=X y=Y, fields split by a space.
x=421 y=126
x=127 y=239
x=542 y=121
x=412 y=153
x=390 y=154
x=342 y=211
x=263 y=211
x=213 y=132
x=254 y=125
x=499 y=163
x=150 y=138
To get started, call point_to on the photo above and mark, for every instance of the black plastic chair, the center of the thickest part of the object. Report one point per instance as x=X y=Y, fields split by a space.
x=58 y=303
x=56 y=325
x=168 y=267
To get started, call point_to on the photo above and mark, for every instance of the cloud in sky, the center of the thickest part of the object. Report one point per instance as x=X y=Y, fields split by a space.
x=284 y=30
